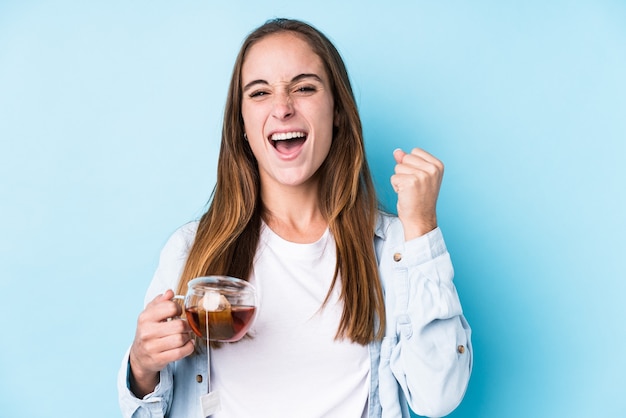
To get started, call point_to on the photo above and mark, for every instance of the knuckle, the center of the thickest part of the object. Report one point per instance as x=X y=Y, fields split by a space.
x=413 y=181
x=432 y=170
x=187 y=349
x=418 y=178
x=180 y=340
x=168 y=309
x=178 y=326
x=180 y=352
x=175 y=308
x=143 y=317
x=141 y=334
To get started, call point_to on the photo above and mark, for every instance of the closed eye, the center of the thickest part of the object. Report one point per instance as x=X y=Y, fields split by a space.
x=258 y=93
x=305 y=89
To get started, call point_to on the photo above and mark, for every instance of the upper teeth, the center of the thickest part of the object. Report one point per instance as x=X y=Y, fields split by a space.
x=287 y=135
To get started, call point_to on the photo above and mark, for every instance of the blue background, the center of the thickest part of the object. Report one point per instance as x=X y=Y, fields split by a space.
x=110 y=116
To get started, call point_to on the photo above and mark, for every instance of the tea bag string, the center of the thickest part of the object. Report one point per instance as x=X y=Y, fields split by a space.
x=208 y=353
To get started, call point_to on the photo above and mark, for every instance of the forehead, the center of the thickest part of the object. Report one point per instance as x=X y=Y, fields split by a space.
x=280 y=57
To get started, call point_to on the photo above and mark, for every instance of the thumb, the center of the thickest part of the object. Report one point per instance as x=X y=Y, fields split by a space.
x=398 y=155
x=167 y=295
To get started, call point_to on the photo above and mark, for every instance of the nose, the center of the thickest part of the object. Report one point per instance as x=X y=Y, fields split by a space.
x=283 y=106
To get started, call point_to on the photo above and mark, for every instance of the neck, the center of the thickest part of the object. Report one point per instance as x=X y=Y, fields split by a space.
x=294 y=213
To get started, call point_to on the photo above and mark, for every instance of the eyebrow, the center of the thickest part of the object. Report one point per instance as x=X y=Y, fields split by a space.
x=293 y=80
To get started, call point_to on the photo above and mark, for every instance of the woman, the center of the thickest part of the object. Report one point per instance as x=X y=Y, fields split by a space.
x=359 y=315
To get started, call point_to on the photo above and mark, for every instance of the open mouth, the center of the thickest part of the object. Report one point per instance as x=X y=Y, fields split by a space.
x=285 y=142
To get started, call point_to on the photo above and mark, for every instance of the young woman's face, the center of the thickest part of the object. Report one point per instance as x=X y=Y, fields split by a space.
x=287 y=109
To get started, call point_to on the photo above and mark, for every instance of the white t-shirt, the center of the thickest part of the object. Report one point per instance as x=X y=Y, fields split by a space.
x=293 y=365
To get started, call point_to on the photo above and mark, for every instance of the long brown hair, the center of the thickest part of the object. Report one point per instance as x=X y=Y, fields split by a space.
x=228 y=233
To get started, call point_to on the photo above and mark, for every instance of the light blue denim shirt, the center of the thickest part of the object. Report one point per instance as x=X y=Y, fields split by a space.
x=424 y=361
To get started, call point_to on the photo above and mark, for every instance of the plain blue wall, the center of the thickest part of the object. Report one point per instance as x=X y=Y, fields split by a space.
x=109 y=125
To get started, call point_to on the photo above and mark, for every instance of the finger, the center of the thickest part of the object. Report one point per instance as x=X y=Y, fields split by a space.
x=419 y=152
x=167 y=295
x=398 y=155
x=158 y=337
x=407 y=162
x=419 y=155
x=167 y=343
x=422 y=172
x=400 y=181
x=403 y=157
x=409 y=181
x=175 y=326
x=158 y=353
x=177 y=352
x=419 y=166
x=160 y=309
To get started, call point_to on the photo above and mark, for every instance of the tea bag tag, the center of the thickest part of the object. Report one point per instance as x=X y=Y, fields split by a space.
x=210 y=403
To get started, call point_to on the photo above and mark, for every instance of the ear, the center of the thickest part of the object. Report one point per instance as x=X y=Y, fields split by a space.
x=243 y=128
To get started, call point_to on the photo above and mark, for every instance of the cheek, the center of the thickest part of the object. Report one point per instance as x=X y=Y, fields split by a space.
x=321 y=114
x=250 y=116
x=331 y=114
x=245 y=116
x=329 y=120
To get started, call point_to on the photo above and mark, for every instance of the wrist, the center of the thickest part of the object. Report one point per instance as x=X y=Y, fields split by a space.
x=141 y=382
x=418 y=229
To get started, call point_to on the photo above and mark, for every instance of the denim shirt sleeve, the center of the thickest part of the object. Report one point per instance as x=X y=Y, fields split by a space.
x=153 y=405
x=427 y=347
x=166 y=276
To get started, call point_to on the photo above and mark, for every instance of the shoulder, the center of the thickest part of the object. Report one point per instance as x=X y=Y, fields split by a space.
x=181 y=240
x=172 y=260
x=187 y=232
